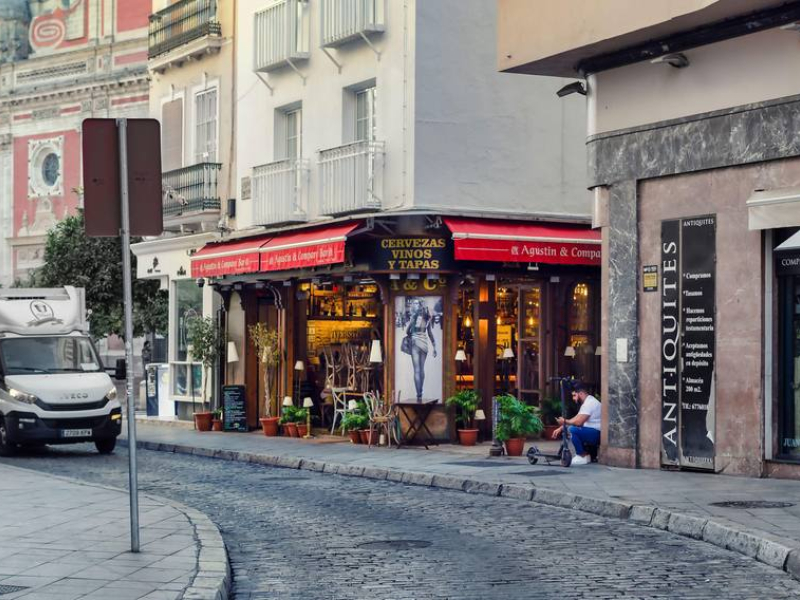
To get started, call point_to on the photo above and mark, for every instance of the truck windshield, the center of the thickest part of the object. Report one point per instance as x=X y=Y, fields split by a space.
x=24 y=356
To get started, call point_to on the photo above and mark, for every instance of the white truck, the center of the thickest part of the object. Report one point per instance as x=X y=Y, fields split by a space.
x=53 y=387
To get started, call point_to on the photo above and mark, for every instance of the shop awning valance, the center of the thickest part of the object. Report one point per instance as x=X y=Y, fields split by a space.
x=295 y=250
x=503 y=241
x=772 y=209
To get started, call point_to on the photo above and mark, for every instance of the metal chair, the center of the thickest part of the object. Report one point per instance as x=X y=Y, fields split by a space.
x=382 y=418
x=339 y=395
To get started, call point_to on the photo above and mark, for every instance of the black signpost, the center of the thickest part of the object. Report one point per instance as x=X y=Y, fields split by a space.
x=688 y=341
x=233 y=408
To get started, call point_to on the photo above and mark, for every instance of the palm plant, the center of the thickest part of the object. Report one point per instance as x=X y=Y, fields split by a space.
x=516 y=419
x=466 y=403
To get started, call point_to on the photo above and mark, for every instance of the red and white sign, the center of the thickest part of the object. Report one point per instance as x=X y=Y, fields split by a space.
x=484 y=240
x=228 y=258
x=306 y=249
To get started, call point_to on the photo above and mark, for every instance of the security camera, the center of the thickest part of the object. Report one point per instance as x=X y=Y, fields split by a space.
x=200 y=282
x=677 y=60
x=576 y=87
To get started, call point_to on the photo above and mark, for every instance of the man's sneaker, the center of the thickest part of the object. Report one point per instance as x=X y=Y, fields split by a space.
x=580 y=460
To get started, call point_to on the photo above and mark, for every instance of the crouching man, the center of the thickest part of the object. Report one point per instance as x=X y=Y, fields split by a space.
x=584 y=427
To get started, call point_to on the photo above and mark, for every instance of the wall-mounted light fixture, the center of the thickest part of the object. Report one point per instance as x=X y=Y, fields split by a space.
x=576 y=87
x=677 y=60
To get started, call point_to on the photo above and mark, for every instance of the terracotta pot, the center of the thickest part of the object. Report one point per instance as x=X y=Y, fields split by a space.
x=270 y=426
x=548 y=432
x=202 y=421
x=354 y=437
x=302 y=430
x=364 y=433
x=515 y=446
x=216 y=425
x=467 y=437
x=292 y=428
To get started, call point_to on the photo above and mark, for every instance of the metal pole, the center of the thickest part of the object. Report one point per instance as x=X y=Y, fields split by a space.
x=127 y=298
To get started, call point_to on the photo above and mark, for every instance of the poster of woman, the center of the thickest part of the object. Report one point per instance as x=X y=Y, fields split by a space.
x=418 y=348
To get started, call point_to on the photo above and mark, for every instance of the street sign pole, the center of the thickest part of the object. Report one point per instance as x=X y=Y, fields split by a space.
x=127 y=299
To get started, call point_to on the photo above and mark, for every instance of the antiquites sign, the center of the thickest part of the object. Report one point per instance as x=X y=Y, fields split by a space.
x=688 y=340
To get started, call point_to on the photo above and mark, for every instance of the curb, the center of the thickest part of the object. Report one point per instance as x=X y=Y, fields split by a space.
x=776 y=552
x=212 y=580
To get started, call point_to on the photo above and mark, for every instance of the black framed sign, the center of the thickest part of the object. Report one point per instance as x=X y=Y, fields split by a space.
x=688 y=341
x=233 y=408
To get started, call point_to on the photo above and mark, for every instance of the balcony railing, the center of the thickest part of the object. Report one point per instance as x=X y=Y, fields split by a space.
x=346 y=20
x=191 y=190
x=279 y=192
x=180 y=23
x=351 y=178
x=281 y=34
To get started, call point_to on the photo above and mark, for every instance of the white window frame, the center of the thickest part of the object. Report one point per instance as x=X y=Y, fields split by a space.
x=176 y=95
x=281 y=137
x=371 y=94
x=211 y=85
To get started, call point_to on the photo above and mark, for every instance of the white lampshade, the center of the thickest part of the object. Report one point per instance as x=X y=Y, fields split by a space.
x=598 y=351
x=299 y=366
x=508 y=353
x=352 y=405
x=287 y=401
x=233 y=354
x=308 y=402
x=569 y=351
x=375 y=353
x=480 y=415
x=461 y=356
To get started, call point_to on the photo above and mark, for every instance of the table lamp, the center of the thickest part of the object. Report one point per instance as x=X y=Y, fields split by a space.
x=569 y=351
x=308 y=404
x=508 y=353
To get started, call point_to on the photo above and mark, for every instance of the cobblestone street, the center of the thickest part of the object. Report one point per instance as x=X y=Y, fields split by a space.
x=297 y=534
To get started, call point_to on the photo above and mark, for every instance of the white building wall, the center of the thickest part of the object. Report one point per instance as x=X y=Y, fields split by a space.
x=6 y=211
x=322 y=95
x=649 y=93
x=485 y=140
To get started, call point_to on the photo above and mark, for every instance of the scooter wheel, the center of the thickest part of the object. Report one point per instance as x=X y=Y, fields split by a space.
x=566 y=458
x=533 y=460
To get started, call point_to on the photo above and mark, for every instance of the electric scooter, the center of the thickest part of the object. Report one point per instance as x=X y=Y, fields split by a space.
x=564 y=454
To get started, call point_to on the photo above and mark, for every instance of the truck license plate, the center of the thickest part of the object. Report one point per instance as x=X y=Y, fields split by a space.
x=70 y=433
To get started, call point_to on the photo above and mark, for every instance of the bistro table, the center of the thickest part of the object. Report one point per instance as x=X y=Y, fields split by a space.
x=416 y=413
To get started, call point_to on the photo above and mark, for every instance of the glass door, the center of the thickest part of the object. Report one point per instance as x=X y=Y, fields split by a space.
x=790 y=367
x=529 y=344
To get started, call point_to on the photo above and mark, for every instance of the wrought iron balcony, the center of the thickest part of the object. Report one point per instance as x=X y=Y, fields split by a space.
x=181 y=23
x=347 y=20
x=351 y=178
x=281 y=35
x=280 y=190
x=190 y=194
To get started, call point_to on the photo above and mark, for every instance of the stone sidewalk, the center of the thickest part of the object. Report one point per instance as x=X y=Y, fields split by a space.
x=66 y=540
x=681 y=502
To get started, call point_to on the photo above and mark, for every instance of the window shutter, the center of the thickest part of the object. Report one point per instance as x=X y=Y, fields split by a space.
x=172 y=135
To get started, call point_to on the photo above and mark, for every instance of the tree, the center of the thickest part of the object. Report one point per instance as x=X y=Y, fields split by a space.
x=205 y=340
x=95 y=264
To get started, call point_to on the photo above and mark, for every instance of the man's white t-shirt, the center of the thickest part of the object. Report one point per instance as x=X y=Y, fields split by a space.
x=591 y=407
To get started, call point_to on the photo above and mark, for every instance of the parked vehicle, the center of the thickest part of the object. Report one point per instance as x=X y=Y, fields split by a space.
x=53 y=387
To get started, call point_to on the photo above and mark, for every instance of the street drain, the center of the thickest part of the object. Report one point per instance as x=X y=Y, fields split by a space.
x=10 y=589
x=746 y=504
x=395 y=545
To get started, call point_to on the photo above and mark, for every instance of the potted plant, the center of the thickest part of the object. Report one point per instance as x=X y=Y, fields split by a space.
x=466 y=402
x=300 y=419
x=353 y=423
x=551 y=410
x=515 y=421
x=216 y=420
x=288 y=420
x=204 y=337
x=267 y=347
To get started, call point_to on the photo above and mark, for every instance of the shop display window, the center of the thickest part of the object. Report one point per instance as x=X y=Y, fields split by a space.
x=789 y=334
x=465 y=351
x=583 y=363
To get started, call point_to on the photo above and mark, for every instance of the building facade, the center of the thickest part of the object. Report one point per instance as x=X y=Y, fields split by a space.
x=191 y=62
x=693 y=159
x=60 y=63
x=407 y=219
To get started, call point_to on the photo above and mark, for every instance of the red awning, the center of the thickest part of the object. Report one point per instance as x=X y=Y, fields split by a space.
x=499 y=241
x=309 y=248
x=306 y=248
x=235 y=257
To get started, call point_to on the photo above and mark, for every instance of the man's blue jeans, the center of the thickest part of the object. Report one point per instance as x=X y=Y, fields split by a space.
x=583 y=435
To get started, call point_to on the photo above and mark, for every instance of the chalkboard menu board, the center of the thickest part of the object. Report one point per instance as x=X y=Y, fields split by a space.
x=233 y=408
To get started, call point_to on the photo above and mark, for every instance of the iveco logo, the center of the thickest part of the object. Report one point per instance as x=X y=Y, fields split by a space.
x=74 y=396
x=41 y=310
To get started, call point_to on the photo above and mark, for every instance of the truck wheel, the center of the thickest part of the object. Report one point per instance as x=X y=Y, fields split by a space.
x=105 y=446
x=6 y=448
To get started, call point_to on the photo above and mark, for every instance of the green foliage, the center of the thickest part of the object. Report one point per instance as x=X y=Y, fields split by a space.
x=354 y=421
x=95 y=264
x=516 y=419
x=205 y=339
x=466 y=403
x=217 y=414
x=551 y=409
x=293 y=414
